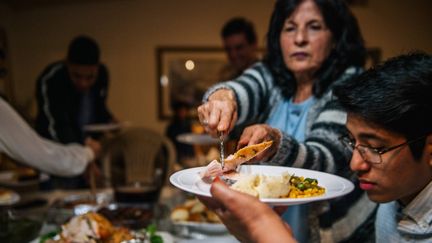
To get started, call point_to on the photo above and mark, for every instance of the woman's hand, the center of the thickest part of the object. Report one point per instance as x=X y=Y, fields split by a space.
x=248 y=219
x=219 y=113
x=257 y=134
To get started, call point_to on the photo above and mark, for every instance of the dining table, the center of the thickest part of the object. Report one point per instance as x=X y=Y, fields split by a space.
x=39 y=205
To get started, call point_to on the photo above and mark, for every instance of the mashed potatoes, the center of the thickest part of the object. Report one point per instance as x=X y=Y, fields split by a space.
x=263 y=186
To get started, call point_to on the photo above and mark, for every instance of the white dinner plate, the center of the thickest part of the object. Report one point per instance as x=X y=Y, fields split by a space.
x=335 y=186
x=12 y=198
x=210 y=228
x=197 y=139
x=7 y=178
x=102 y=127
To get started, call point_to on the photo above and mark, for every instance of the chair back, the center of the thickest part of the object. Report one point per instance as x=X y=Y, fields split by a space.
x=138 y=155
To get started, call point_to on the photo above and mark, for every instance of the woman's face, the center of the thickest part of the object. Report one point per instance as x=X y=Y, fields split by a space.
x=305 y=40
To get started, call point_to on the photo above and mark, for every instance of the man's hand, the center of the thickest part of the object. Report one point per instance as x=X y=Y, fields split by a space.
x=248 y=219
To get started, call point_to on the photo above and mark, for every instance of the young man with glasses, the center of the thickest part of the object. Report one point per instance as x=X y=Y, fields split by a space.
x=390 y=132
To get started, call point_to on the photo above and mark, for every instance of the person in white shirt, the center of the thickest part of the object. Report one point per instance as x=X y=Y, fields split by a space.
x=19 y=141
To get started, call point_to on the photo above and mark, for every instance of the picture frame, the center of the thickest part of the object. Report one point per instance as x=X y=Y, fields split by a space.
x=184 y=73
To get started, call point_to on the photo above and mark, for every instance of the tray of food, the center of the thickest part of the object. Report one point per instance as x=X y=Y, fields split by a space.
x=195 y=216
x=95 y=227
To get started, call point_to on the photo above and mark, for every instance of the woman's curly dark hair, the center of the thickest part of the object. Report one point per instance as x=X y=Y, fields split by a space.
x=349 y=47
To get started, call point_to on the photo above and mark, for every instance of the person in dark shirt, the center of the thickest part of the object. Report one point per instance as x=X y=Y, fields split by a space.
x=180 y=123
x=240 y=42
x=72 y=93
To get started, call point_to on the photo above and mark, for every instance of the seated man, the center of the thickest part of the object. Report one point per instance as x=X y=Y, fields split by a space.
x=389 y=123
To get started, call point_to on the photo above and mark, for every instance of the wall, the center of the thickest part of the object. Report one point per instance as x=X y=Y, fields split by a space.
x=129 y=30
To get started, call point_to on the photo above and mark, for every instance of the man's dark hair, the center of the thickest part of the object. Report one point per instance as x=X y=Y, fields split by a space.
x=83 y=50
x=240 y=25
x=395 y=95
x=348 y=48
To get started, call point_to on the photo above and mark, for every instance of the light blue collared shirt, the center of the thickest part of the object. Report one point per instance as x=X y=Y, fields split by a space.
x=291 y=118
x=412 y=223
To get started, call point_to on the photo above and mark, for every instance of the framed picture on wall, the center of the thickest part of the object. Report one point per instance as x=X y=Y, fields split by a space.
x=184 y=74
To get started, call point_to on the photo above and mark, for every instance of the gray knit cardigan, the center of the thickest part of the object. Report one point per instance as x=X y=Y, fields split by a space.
x=349 y=218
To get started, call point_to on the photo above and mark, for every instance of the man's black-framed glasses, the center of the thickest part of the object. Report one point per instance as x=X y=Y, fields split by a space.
x=369 y=154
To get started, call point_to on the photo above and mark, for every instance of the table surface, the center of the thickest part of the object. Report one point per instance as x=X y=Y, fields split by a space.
x=169 y=197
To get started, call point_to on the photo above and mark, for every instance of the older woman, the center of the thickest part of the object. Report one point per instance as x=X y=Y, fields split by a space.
x=311 y=45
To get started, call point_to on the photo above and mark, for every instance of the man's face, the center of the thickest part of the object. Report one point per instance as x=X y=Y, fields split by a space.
x=399 y=176
x=83 y=76
x=240 y=52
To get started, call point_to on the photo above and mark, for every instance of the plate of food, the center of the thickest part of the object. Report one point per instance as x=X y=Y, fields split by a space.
x=197 y=139
x=196 y=217
x=94 y=227
x=22 y=176
x=304 y=185
x=8 y=197
x=274 y=185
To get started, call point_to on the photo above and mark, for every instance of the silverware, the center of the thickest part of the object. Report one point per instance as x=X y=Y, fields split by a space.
x=221 y=143
x=227 y=181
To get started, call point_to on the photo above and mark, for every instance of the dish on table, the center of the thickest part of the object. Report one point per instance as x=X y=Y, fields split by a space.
x=205 y=228
x=195 y=216
x=102 y=127
x=21 y=177
x=8 y=197
x=20 y=226
x=197 y=139
x=92 y=227
x=335 y=186
x=75 y=204
x=132 y=216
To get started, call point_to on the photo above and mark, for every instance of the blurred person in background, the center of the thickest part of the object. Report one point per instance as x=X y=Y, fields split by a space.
x=181 y=123
x=311 y=45
x=240 y=43
x=20 y=142
x=70 y=94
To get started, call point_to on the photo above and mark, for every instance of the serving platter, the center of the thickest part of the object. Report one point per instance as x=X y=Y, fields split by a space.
x=8 y=178
x=197 y=139
x=202 y=227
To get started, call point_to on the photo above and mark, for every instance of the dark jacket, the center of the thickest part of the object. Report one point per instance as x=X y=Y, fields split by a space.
x=59 y=104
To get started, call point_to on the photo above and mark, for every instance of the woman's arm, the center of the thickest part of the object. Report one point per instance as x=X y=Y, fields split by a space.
x=251 y=92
